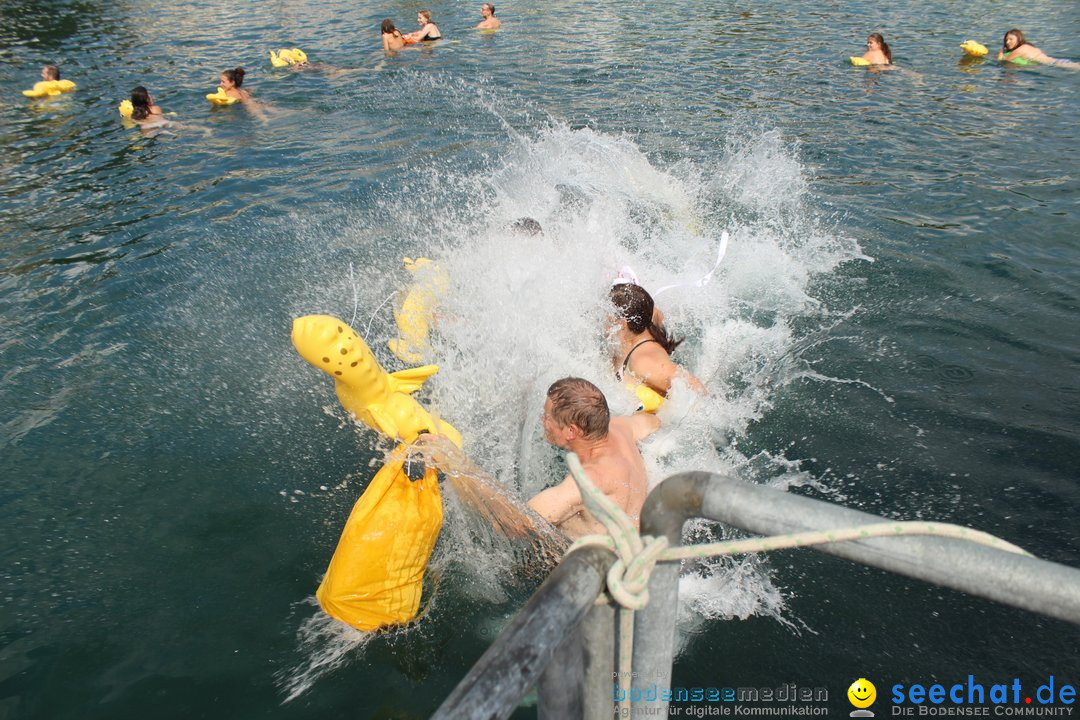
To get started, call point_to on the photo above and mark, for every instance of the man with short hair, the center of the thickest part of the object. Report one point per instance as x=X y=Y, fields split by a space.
x=576 y=418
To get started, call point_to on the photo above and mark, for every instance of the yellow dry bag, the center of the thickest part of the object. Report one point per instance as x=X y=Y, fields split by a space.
x=376 y=576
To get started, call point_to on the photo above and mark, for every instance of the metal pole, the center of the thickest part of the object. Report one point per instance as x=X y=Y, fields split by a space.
x=1020 y=581
x=668 y=506
x=577 y=681
x=503 y=675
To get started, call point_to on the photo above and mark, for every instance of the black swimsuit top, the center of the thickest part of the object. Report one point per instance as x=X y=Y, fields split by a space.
x=626 y=360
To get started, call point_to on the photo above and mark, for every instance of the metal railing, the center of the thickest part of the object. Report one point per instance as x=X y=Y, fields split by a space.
x=565 y=644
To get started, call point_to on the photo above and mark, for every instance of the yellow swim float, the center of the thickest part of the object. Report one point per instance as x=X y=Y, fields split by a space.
x=220 y=98
x=285 y=58
x=49 y=88
x=648 y=399
x=974 y=49
x=416 y=314
x=126 y=108
x=859 y=61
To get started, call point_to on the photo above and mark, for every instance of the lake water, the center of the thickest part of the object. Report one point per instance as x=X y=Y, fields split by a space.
x=894 y=326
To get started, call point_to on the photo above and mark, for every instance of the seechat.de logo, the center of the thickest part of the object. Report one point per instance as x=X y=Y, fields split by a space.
x=862 y=694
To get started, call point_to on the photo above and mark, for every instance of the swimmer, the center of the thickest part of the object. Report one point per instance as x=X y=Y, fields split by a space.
x=50 y=72
x=391 y=36
x=230 y=81
x=527 y=226
x=144 y=111
x=490 y=22
x=1016 y=49
x=428 y=30
x=643 y=346
x=877 y=50
x=576 y=418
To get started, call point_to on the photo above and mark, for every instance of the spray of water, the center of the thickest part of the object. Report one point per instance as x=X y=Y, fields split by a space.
x=523 y=310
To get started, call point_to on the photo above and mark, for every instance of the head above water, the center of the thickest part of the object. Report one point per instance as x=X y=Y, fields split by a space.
x=877 y=41
x=141 y=103
x=487 y=10
x=388 y=27
x=424 y=16
x=634 y=305
x=50 y=72
x=1013 y=39
x=576 y=402
x=234 y=76
x=527 y=226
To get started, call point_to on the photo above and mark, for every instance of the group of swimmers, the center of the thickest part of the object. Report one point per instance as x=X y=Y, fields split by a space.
x=1014 y=49
x=393 y=39
x=577 y=418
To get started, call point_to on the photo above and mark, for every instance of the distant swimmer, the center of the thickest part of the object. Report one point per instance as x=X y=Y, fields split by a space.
x=576 y=418
x=391 y=36
x=145 y=111
x=428 y=30
x=50 y=84
x=50 y=73
x=1016 y=49
x=490 y=22
x=877 y=50
x=643 y=346
x=527 y=226
x=230 y=81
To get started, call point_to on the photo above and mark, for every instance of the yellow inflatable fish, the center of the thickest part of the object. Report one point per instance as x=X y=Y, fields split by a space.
x=49 y=88
x=126 y=108
x=859 y=61
x=285 y=58
x=650 y=400
x=379 y=399
x=376 y=576
x=974 y=49
x=220 y=98
x=417 y=312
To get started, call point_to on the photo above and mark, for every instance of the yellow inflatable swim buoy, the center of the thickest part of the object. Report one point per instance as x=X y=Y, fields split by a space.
x=376 y=576
x=49 y=88
x=126 y=108
x=416 y=314
x=859 y=61
x=974 y=49
x=220 y=98
x=650 y=399
x=285 y=58
x=380 y=400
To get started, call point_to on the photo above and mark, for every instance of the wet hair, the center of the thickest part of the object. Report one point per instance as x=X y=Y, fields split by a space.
x=1020 y=39
x=636 y=306
x=388 y=27
x=53 y=72
x=527 y=226
x=426 y=14
x=575 y=401
x=884 y=45
x=490 y=7
x=236 y=76
x=140 y=103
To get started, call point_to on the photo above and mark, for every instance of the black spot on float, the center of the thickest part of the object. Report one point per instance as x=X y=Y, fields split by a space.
x=344 y=351
x=337 y=372
x=339 y=329
x=354 y=363
x=326 y=360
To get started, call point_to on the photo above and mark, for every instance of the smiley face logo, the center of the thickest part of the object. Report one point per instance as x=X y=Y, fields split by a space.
x=862 y=693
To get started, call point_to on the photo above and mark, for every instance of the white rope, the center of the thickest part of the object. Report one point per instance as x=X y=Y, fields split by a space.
x=628 y=577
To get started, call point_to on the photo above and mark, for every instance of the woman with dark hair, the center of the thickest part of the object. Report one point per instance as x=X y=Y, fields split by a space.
x=1016 y=49
x=391 y=36
x=428 y=30
x=643 y=345
x=230 y=82
x=877 y=50
x=143 y=109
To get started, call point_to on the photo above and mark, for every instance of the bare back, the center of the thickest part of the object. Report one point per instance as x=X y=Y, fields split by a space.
x=618 y=470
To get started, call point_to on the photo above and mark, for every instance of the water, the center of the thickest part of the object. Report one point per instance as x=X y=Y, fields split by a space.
x=893 y=327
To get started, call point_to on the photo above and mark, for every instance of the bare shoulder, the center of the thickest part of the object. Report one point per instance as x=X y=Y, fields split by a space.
x=635 y=427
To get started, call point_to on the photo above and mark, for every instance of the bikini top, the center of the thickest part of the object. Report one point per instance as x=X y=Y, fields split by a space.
x=626 y=360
